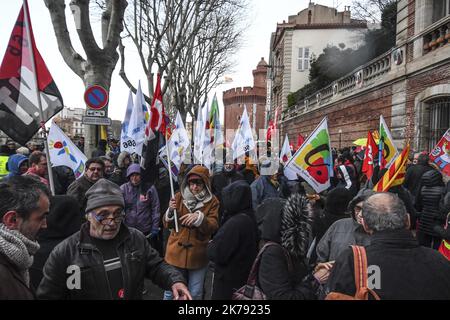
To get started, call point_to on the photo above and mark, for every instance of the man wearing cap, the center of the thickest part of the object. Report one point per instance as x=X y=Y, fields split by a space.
x=266 y=186
x=141 y=213
x=197 y=212
x=106 y=260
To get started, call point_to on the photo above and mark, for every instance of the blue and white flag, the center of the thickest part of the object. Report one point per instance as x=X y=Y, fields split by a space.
x=63 y=152
x=178 y=143
x=126 y=144
x=243 y=141
x=137 y=124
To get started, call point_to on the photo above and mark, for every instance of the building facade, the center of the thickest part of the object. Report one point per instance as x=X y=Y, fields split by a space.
x=296 y=42
x=254 y=98
x=409 y=85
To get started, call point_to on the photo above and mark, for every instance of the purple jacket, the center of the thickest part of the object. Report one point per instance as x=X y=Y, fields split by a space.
x=144 y=216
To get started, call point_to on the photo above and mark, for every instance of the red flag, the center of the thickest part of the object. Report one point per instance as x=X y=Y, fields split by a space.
x=269 y=131
x=300 y=140
x=19 y=108
x=371 y=151
x=157 y=115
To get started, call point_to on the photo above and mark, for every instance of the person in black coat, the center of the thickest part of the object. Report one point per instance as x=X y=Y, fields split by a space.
x=427 y=205
x=404 y=269
x=234 y=247
x=283 y=271
x=414 y=174
x=63 y=220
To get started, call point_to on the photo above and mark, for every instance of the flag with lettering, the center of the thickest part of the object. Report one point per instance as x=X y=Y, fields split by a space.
x=369 y=156
x=19 y=107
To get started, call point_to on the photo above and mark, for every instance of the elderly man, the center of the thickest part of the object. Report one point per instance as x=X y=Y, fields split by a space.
x=106 y=260
x=92 y=173
x=24 y=204
x=398 y=267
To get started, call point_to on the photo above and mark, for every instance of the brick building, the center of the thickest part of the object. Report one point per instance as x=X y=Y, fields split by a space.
x=409 y=85
x=254 y=98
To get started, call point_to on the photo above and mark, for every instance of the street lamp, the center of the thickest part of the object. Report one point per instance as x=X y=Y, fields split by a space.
x=340 y=138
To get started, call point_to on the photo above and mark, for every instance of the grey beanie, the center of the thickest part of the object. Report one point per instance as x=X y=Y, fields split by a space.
x=104 y=193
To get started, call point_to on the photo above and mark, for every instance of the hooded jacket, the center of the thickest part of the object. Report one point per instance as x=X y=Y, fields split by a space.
x=234 y=247
x=428 y=200
x=78 y=189
x=14 y=163
x=283 y=272
x=262 y=189
x=142 y=215
x=343 y=233
x=187 y=248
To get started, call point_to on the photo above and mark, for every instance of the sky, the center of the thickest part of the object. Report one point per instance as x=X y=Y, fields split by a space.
x=262 y=20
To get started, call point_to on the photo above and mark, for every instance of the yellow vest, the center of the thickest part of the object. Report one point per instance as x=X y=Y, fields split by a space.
x=3 y=162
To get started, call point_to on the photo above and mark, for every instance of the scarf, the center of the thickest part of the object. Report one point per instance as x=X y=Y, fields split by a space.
x=18 y=249
x=194 y=202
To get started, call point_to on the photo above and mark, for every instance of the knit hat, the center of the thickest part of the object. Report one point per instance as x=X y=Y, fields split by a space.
x=104 y=193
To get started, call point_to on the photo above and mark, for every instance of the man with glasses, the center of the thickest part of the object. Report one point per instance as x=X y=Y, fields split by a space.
x=112 y=259
x=93 y=172
x=38 y=166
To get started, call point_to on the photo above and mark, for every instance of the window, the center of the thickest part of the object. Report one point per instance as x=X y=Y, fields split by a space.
x=441 y=8
x=303 y=59
x=439 y=120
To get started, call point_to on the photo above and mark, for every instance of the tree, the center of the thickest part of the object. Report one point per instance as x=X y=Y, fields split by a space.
x=189 y=41
x=99 y=63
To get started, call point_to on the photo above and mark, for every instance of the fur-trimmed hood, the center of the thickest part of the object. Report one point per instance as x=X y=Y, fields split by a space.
x=291 y=227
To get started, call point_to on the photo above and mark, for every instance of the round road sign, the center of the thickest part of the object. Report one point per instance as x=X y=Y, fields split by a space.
x=96 y=97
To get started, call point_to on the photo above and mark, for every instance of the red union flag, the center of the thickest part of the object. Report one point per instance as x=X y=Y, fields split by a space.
x=441 y=154
x=19 y=107
x=369 y=154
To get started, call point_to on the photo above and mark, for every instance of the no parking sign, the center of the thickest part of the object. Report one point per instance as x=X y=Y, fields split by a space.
x=96 y=97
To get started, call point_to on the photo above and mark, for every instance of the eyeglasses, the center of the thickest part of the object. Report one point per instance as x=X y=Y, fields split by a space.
x=103 y=217
x=95 y=169
x=196 y=182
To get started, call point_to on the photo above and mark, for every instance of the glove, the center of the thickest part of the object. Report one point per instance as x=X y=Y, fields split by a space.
x=154 y=233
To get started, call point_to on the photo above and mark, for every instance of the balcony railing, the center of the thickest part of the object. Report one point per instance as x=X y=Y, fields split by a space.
x=437 y=37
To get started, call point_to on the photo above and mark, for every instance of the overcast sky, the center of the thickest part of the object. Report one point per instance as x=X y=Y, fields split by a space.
x=264 y=15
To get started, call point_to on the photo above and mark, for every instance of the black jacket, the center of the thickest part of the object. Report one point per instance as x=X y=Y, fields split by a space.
x=413 y=178
x=12 y=285
x=137 y=258
x=78 y=189
x=287 y=277
x=234 y=247
x=428 y=200
x=407 y=270
x=63 y=220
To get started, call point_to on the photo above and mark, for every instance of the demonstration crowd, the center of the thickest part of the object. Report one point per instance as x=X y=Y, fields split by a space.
x=264 y=236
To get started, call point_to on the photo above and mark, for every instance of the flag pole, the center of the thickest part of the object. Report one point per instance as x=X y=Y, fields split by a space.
x=41 y=112
x=175 y=218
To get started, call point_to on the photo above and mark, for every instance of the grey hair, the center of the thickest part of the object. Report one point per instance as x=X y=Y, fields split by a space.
x=385 y=215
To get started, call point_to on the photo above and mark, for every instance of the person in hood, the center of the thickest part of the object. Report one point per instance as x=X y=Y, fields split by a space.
x=344 y=232
x=283 y=272
x=233 y=249
x=415 y=172
x=17 y=165
x=197 y=218
x=429 y=213
x=119 y=176
x=63 y=177
x=141 y=213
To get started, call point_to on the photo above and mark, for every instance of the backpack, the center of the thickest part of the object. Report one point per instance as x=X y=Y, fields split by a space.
x=251 y=291
x=362 y=291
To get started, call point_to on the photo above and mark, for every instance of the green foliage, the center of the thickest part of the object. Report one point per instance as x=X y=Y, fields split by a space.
x=336 y=62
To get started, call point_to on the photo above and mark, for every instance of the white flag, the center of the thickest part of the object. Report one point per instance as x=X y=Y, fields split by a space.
x=243 y=141
x=178 y=143
x=126 y=143
x=63 y=152
x=136 y=127
x=285 y=153
x=198 y=142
